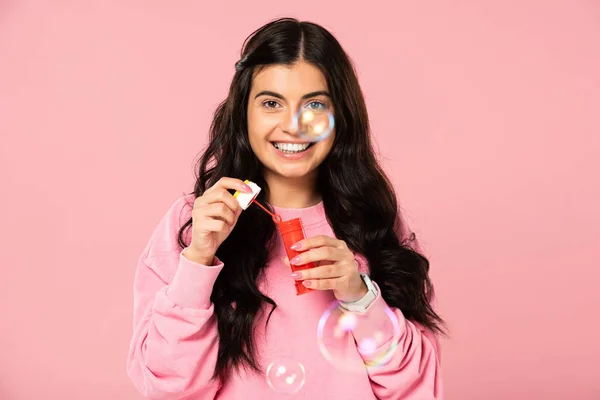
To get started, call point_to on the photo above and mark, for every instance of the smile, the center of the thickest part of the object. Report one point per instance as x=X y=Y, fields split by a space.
x=291 y=148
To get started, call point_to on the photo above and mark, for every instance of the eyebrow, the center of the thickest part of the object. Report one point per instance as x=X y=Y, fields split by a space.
x=306 y=96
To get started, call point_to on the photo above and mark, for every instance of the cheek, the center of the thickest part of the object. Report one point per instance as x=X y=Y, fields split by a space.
x=253 y=126
x=326 y=145
x=260 y=125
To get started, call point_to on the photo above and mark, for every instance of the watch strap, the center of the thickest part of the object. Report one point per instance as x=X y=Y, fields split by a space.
x=363 y=303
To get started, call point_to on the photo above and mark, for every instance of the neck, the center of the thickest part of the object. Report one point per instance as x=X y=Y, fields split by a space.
x=292 y=192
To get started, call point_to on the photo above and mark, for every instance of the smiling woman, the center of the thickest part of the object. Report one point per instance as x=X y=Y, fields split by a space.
x=216 y=315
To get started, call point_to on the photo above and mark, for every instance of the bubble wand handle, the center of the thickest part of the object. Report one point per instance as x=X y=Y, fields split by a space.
x=276 y=217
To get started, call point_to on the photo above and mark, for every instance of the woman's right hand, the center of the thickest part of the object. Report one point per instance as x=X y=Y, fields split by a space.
x=214 y=216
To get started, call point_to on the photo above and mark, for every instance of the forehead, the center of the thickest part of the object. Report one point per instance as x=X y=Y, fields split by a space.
x=290 y=80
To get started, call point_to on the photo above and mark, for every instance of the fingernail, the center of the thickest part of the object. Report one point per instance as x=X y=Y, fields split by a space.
x=295 y=260
x=306 y=283
x=246 y=188
x=296 y=275
x=296 y=246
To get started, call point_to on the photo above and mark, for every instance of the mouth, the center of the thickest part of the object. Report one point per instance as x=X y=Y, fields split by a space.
x=292 y=148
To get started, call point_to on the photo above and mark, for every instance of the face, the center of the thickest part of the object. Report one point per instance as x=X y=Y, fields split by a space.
x=277 y=93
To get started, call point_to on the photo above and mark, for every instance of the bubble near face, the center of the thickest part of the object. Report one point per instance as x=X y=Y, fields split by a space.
x=286 y=376
x=335 y=338
x=313 y=125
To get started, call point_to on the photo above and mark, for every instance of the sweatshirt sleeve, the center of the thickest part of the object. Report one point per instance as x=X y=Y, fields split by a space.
x=173 y=350
x=407 y=364
x=405 y=361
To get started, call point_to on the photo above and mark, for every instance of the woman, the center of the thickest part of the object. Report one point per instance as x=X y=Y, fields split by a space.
x=215 y=302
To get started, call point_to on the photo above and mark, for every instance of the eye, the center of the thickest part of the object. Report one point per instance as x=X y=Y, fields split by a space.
x=316 y=105
x=270 y=104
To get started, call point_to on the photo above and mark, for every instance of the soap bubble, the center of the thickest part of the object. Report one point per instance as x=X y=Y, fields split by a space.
x=286 y=376
x=337 y=343
x=313 y=124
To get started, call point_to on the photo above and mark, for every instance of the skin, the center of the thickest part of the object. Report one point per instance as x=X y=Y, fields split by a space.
x=277 y=92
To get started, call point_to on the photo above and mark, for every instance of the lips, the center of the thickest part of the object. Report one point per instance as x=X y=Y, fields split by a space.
x=297 y=156
x=295 y=148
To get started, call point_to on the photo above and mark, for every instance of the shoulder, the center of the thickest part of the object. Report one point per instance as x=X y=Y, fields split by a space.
x=163 y=245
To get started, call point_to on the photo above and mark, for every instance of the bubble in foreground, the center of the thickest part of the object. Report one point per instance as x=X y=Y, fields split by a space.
x=336 y=340
x=286 y=376
x=313 y=124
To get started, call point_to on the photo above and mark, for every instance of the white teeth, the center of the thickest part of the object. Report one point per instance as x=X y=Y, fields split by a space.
x=291 y=147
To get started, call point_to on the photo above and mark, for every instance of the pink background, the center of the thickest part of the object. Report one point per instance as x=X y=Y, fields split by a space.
x=487 y=117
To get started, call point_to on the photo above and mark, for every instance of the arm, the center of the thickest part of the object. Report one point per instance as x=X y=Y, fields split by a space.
x=175 y=340
x=411 y=367
x=408 y=363
x=174 y=347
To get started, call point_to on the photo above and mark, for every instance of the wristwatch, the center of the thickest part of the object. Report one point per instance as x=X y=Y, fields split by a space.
x=362 y=304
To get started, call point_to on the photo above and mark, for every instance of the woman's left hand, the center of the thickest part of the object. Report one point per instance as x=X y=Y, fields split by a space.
x=337 y=270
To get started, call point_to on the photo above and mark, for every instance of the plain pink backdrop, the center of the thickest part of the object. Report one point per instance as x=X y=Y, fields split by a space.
x=487 y=119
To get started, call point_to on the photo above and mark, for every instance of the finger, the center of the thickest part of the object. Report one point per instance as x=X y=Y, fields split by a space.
x=321 y=272
x=319 y=241
x=214 y=225
x=220 y=211
x=321 y=253
x=324 y=284
x=233 y=184
x=222 y=196
x=286 y=261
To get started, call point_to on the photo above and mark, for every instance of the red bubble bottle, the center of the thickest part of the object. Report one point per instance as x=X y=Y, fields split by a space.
x=292 y=231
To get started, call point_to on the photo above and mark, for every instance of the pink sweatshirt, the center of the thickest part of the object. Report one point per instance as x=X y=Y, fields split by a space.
x=174 y=349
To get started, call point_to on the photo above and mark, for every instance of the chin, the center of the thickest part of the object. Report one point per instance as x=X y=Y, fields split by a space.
x=293 y=173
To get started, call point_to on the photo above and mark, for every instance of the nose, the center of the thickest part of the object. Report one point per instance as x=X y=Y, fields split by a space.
x=287 y=123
